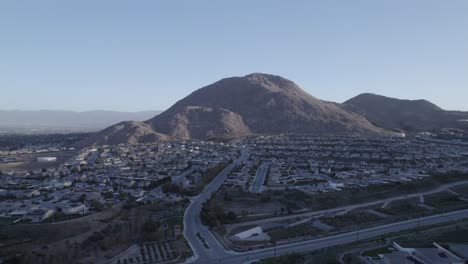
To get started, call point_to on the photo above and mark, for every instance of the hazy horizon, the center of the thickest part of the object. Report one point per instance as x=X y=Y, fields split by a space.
x=162 y=110
x=122 y=56
x=80 y=111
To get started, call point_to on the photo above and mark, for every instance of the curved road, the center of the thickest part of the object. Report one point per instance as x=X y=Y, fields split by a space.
x=354 y=206
x=346 y=238
x=216 y=253
x=193 y=225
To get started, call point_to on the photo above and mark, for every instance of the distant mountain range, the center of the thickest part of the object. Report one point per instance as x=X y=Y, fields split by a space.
x=57 y=119
x=405 y=115
x=268 y=104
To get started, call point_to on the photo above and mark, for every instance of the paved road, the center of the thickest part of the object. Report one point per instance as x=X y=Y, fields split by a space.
x=229 y=257
x=259 y=179
x=354 y=206
x=92 y=158
x=216 y=253
x=342 y=238
x=192 y=222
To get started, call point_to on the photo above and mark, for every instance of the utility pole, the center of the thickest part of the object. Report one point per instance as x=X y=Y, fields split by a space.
x=274 y=247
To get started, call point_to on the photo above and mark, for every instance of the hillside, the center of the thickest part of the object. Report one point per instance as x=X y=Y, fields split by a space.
x=253 y=104
x=406 y=115
x=128 y=132
x=259 y=103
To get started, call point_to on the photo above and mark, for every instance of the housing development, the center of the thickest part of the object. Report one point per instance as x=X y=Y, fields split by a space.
x=246 y=199
x=233 y=132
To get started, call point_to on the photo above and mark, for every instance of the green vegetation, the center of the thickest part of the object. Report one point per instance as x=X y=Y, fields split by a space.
x=288 y=259
x=96 y=205
x=59 y=216
x=445 y=202
x=176 y=220
x=404 y=208
x=207 y=177
x=213 y=214
x=103 y=233
x=108 y=195
x=150 y=226
x=157 y=183
x=6 y=220
x=455 y=236
x=370 y=193
x=302 y=230
x=377 y=251
x=350 y=219
x=462 y=189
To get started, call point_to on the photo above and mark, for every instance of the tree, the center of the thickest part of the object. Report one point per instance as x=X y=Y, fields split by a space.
x=231 y=216
x=97 y=205
x=150 y=226
x=108 y=195
x=82 y=198
x=227 y=197
x=123 y=195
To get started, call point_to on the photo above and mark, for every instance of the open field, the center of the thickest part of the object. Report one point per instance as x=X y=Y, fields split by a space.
x=404 y=209
x=94 y=238
x=445 y=202
x=302 y=230
x=28 y=162
x=270 y=204
x=461 y=190
x=377 y=251
x=445 y=234
x=351 y=218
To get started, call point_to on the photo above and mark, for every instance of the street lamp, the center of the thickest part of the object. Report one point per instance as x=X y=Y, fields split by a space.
x=274 y=247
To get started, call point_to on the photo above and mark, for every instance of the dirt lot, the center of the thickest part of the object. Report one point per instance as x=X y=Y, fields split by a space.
x=90 y=239
x=28 y=162
x=445 y=202
x=253 y=207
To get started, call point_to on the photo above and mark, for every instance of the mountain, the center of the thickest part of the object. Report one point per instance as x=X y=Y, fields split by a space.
x=56 y=119
x=257 y=103
x=128 y=132
x=200 y=122
x=406 y=115
x=253 y=104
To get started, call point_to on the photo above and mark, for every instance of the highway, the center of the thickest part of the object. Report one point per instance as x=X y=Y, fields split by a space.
x=259 y=179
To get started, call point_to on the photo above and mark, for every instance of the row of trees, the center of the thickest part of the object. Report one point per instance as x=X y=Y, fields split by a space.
x=207 y=177
x=214 y=215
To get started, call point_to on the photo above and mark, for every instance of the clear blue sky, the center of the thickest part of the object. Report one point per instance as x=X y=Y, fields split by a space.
x=139 y=55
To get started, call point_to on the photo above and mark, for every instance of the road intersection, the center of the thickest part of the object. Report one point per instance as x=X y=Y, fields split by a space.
x=207 y=249
x=257 y=184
